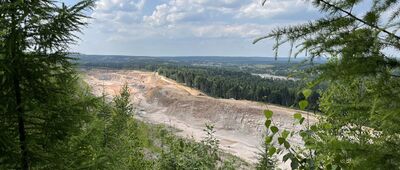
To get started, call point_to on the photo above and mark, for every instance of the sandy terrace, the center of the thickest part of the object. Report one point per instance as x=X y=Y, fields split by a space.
x=239 y=123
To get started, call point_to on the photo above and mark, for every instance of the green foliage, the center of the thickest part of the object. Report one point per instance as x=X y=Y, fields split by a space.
x=360 y=126
x=223 y=83
x=277 y=142
x=267 y=123
x=121 y=142
x=297 y=116
x=50 y=120
x=122 y=110
x=43 y=105
x=273 y=129
x=307 y=93
x=268 y=114
x=122 y=102
x=369 y=126
x=229 y=164
x=266 y=159
x=210 y=141
x=178 y=153
x=303 y=104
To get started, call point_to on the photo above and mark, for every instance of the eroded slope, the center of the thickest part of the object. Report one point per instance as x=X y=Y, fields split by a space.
x=239 y=123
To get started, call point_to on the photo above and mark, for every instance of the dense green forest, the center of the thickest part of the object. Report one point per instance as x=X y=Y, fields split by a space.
x=222 y=83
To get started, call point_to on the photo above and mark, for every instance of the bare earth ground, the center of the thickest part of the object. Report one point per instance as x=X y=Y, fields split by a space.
x=239 y=124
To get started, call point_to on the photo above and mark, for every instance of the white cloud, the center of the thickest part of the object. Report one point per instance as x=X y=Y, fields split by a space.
x=119 y=5
x=165 y=27
x=272 y=8
x=114 y=17
x=192 y=11
x=228 y=31
x=124 y=20
x=219 y=18
x=118 y=10
x=164 y=14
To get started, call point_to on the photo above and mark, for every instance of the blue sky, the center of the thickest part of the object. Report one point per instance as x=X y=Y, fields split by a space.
x=188 y=27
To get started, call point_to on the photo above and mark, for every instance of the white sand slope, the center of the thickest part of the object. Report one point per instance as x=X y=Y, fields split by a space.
x=239 y=123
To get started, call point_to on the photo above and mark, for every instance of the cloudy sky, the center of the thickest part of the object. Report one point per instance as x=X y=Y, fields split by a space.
x=187 y=27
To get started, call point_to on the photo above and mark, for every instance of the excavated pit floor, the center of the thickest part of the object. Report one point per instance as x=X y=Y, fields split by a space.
x=239 y=124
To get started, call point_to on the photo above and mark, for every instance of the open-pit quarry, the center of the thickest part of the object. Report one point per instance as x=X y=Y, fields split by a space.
x=239 y=124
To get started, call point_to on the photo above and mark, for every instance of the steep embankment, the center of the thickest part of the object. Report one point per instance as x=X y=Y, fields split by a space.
x=239 y=123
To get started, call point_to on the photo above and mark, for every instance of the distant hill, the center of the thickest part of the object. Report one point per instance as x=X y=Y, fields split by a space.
x=189 y=60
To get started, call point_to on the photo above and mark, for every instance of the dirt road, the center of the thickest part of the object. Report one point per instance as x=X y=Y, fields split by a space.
x=239 y=123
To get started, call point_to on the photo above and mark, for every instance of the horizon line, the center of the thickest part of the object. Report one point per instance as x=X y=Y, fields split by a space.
x=123 y=55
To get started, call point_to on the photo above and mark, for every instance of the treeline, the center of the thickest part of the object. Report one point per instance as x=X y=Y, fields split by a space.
x=219 y=82
x=258 y=65
x=223 y=82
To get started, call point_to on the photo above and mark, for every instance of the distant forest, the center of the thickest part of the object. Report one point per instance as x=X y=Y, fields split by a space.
x=222 y=81
x=218 y=82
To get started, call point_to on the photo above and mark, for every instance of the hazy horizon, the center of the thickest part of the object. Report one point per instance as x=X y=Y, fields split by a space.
x=189 y=56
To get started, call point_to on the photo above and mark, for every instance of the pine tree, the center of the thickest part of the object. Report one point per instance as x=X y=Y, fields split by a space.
x=42 y=101
x=123 y=110
x=360 y=127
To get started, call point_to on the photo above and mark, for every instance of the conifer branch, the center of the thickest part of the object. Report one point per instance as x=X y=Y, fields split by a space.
x=360 y=20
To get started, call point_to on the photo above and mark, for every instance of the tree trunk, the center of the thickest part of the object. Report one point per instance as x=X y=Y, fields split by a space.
x=17 y=91
x=21 y=126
